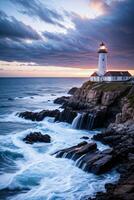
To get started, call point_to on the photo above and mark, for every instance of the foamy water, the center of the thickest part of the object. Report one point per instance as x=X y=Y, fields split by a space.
x=31 y=172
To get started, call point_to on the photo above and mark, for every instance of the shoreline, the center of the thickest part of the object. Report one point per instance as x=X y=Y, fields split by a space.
x=110 y=107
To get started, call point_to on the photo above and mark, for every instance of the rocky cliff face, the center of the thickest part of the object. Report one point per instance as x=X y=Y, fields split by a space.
x=103 y=94
x=114 y=100
x=99 y=105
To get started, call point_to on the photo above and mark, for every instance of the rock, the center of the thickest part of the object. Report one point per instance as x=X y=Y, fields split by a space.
x=37 y=137
x=72 y=90
x=67 y=115
x=70 y=151
x=82 y=143
x=10 y=99
x=85 y=138
x=86 y=148
x=111 y=106
x=61 y=100
x=116 y=99
x=102 y=165
x=122 y=153
x=39 y=116
x=88 y=157
x=107 y=151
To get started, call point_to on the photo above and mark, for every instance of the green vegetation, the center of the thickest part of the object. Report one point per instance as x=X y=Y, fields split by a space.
x=131 y=99
x=88 y=85
x=114 y=86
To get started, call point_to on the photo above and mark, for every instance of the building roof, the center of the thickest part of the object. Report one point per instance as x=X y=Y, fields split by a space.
x=94 y=74
x=117 y=73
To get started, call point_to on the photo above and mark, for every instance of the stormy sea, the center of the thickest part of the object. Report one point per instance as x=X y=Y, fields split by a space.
x=32 y=172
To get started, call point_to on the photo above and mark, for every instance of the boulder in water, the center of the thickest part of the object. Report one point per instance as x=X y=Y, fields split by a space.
x=10 y=99
x=39 y=116
x=37 y=137
x=85 y=138
x=88 y=157
x=102 y=165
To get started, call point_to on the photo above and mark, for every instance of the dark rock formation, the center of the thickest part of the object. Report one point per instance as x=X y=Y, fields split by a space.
x=84 y=138
x=89 y=158
x=123 y=154
x=109 y=105
x=72 y=90
x=37 y=137
x=67 y=115
x=124 y=189
x=61 y=100
x=10 y=99
x=90 y=121
x=39 y=116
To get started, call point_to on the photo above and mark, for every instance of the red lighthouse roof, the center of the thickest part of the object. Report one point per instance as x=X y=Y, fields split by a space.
x=117 y=73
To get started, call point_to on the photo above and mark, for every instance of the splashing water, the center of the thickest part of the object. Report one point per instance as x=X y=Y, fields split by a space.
x=31 y=172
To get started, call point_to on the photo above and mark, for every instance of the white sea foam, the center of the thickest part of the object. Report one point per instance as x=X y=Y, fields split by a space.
x=48 y=177
x=13 y=117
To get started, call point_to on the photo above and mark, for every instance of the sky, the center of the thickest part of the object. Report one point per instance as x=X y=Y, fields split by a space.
x=60 y=38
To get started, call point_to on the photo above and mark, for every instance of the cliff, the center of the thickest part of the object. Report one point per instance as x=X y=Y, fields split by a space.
x=110 y=102
x=99 y=105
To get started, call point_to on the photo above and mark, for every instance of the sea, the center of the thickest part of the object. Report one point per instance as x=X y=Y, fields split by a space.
x=32 y=172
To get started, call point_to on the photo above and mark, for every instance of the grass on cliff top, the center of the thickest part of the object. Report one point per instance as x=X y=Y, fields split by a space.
x=114 y=86
x=131 y=99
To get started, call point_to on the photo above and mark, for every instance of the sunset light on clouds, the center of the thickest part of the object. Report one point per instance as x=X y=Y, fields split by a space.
x=50 y=38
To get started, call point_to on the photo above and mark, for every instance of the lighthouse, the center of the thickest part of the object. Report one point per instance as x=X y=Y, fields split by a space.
x=102 y=62
x=107 y=76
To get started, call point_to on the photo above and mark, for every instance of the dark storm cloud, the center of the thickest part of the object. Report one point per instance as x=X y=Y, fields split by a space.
x=116 y=29
x=78 y=46
x=12 y=28
x=37 y=9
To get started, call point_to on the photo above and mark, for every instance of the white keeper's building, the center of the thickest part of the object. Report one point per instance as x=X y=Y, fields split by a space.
x=102 y=74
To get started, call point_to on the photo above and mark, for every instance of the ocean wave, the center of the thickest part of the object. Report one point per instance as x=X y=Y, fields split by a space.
x=45 y=176
x=13 y=117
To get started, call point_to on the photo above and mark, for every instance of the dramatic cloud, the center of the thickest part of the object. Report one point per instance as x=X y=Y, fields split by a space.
x=116 y=28
x=78 y=46
x=37 y=9
x=99 y=7
x=12 y=28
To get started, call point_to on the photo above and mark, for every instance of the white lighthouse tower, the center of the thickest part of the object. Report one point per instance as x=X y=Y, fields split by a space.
x=102 y=63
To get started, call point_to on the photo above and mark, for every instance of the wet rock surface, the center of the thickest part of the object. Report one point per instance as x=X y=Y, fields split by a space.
x=84 y=138
x=123 y=154
x=67 y=115
x=101 y=105
x=39 y=116
x=61 y=100
x=37 y=137
x=88 y=157
x=72 y=90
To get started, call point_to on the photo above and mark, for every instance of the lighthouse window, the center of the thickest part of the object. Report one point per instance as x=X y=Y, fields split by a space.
x=103 y=59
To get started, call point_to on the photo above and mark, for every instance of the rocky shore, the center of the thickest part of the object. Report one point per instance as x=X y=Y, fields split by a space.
x=123 y=153
x=100 y=105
